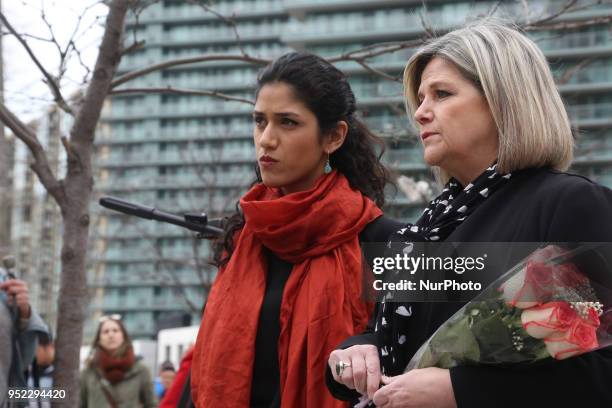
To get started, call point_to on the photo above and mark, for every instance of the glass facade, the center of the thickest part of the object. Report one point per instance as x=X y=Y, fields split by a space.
x=194 y=153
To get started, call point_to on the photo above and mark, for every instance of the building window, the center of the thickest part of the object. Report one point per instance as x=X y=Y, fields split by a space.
x=27 y=213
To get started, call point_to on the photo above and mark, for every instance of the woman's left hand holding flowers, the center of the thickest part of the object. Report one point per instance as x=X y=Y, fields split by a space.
x=424 y=388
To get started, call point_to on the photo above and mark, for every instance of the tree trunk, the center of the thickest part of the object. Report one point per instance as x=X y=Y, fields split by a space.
x=77 y=187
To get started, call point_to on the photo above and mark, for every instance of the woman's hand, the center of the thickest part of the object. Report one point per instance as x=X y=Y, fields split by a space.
x=363 y=375
x=423 y=388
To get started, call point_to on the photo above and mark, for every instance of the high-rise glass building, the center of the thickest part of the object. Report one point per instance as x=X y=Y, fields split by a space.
x=184 y=152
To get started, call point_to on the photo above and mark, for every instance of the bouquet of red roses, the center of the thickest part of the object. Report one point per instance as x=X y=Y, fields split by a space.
x=543 y=307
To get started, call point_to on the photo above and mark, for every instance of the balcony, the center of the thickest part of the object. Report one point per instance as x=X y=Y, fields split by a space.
x=215 y=107
x=548 y=41
x=594 y=150
x=298 y=8
x=174 y=158
x=144 y=283
x=186 y=13
x=359 y=30
x=591 y=115
x=185 y=35
x=203 y=80
x=405 y=22
x=133 y=304
x=586 y=87
x=179 y=181
x=179 y=133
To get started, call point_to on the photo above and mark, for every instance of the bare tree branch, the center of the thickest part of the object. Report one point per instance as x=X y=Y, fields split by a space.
x=43 y=17
x=427 y=27
x=200 y=267
x=182 y=61
x=53 y=85
x=40 y=165
x=69 y=150
x=166 y=264
x=136 y=45
x=375 y=71
x=32 y=36
x=526 y=11
x=171 y=90
x=567 y=75
x=80 y=58
x=375 y=50
x=494 y=8
x=569 y=6
x=227 y=20
x=572 y=25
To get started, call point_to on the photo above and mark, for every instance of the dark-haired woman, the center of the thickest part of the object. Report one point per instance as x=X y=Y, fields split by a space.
x=113 y=377
x=289 y=285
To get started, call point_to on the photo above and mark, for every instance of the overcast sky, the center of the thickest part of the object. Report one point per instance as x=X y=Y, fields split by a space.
x=25 y=93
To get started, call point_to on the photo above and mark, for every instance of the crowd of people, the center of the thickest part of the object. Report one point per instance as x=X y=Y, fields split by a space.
x=285 y=324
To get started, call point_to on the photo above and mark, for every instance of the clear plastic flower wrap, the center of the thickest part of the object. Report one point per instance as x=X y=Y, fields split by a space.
x=550 y=305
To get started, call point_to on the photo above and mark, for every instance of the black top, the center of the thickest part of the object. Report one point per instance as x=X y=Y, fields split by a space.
x=538 y=205
x=266 y=373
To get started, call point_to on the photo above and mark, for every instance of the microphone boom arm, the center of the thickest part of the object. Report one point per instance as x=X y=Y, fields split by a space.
x=197 y=222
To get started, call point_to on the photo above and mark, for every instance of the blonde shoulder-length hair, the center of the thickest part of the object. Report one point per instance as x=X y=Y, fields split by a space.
x=515 y=79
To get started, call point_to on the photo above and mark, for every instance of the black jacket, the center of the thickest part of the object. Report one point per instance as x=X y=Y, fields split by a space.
x=537 y=205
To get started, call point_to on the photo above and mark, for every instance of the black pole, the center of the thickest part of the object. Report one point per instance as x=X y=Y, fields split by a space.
x=194 y=222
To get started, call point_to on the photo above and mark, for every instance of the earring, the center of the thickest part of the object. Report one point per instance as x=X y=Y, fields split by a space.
x=328 y=167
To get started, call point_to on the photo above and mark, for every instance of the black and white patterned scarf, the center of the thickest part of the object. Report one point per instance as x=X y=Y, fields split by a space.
x=443 y=215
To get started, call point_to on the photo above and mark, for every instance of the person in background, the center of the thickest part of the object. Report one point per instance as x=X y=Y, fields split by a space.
x=113 y=377
x=20 y=327
x=178 y=395
x=40 y=372
x=165 y=377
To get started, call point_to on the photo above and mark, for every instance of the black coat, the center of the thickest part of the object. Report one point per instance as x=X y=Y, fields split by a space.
x=537 y=205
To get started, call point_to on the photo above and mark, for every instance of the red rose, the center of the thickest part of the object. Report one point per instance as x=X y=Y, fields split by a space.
x=583 y=335
x=578 y=338
x=565 y=315
x=548 y=319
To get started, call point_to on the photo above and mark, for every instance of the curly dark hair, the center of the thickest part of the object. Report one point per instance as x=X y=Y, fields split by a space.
x=325 y=90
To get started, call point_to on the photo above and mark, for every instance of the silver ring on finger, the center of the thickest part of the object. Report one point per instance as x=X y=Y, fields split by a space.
x=340 y=367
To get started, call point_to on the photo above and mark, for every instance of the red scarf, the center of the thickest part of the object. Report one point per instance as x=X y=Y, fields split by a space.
x=317 y=231
x=113 y=367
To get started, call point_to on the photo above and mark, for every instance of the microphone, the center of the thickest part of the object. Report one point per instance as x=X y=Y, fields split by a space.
x=197 y=222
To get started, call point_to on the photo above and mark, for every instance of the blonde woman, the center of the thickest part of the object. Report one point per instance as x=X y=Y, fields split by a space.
x=494 y=129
